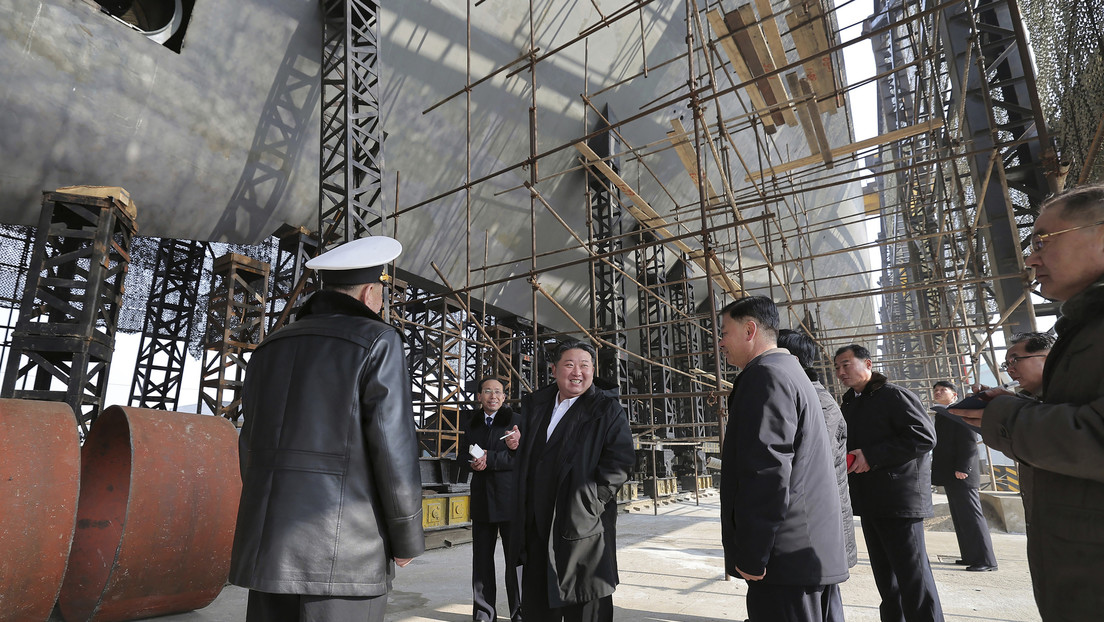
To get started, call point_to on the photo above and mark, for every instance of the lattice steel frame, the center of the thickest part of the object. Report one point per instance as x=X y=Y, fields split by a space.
x=655 y=344
x=235 y=326
x=352 y=139
x=167 y=328
x=63 y=342
x=296 y=246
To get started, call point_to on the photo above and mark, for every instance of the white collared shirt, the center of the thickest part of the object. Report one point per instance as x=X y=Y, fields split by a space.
x=558 y=413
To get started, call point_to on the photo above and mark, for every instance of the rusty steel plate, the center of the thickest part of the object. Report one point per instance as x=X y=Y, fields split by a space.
x=39 y=482
x=155 y=522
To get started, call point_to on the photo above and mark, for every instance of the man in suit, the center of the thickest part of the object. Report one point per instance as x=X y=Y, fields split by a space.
x=574 y=456
x=890 y=434
x=955 y=468
x=493 y=428
x=780 y=507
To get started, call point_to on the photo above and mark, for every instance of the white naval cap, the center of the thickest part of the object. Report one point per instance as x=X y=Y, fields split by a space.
x=356 y=262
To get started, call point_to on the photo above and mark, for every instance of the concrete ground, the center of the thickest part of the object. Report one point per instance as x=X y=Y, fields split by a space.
x=671 y=571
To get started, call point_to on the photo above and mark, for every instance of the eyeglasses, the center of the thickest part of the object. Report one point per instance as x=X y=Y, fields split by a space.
x=491 y=392
x=1038 y=240
x=1013 y=360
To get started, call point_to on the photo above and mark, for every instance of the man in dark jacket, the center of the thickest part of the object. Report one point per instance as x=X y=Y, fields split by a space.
x=780 y=514
x=890 y=434
x=955 y=468
x=1059 y=442
x=490 y=437
x=331 y=493
x=804 y=348
x=575 y=454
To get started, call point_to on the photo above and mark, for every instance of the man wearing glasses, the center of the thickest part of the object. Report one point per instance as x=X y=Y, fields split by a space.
x=1024 y=360
x=1059 y=441
x=490 y=439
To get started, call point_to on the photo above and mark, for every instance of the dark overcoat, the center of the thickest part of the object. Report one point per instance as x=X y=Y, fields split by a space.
x=576 y=481
x=837 y=440
x=331 y=490
x=1059 y=444
x=780 y=507
x=893 y=429
x=955 y=450
x=494 y=489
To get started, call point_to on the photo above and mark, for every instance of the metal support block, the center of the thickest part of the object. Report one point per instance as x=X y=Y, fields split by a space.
x=62 y=345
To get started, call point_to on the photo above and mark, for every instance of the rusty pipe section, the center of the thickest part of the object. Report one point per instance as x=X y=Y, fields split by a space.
x=39 y=483
x=155 y=522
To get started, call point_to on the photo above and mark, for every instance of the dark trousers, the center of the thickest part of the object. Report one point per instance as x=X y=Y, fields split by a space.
x=899 y=559
x=484 y=595
x=266 y=607
x=534 y=585
x=969 y=524
x=793 y=603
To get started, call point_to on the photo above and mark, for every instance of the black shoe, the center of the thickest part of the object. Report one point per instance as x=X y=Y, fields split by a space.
x=981 y=568
x=962 y=562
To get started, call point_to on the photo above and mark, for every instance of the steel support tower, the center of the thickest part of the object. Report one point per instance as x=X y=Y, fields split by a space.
x=63 y=342
x=654 y=314
x=235 y=326
x=352 y=140
x=168 y=327
x=295 y=247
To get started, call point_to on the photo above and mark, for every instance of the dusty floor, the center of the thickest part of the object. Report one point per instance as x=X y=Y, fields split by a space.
x=671 y=570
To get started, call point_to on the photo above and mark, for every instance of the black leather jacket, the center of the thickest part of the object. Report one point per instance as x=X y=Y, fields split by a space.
x=331 y=490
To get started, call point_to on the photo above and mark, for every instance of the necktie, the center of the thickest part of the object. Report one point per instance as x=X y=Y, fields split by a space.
x=490 y=419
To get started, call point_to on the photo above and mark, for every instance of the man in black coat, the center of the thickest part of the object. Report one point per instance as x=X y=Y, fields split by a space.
x=890 y=434
x=490 y=439
x=780 y=507
x=576 y=452
x=331 y=492
x=955 y=468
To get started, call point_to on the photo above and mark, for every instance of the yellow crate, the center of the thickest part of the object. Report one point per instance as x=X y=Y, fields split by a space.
x=433 y=512
x=458 y=509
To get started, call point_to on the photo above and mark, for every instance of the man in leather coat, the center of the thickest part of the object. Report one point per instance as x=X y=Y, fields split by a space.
x=331 y=492
x=575 y=453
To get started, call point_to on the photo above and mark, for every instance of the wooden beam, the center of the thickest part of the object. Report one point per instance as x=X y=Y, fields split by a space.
x=803 y=114
x=656 y=224
x=728 y=44
x=838 y=152
x=741 y=35
x=818 y=123
x=810 y=39
x=768 y=62
x=680 y=140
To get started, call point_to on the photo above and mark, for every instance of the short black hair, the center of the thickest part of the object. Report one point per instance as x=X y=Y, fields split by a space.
x=947 y=384
x=574 y=344
x=759 y=308
x=799 y=344
x=486 y=379
x=859 y=351
x=1034 y=342
x=1082 y=203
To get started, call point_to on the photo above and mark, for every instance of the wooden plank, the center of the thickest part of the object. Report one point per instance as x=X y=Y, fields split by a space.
x=680 y=140
x=728 y=44
x=647 y=216
x=803 y=114
x=838 y=152
x=807 y=30
x=818 y=124
x=741 y=34
x=767 y=60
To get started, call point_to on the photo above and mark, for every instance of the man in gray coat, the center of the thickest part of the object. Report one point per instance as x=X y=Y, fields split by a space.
x=1059 y=442
x=780 y=512
x=331 y=493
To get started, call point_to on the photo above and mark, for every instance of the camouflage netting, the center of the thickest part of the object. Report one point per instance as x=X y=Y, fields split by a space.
x=1067 y=39
x=16 y=242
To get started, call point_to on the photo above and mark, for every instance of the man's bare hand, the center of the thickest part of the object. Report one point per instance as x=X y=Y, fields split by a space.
x=961 y=475
x=859 y=465
x=514 y=438
x=971 y=416
x=751 y=577
x=479 y=463
x=402 y=561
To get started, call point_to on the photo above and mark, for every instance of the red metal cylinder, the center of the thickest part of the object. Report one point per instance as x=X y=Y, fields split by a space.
x=155 y=522
x=39 y=482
